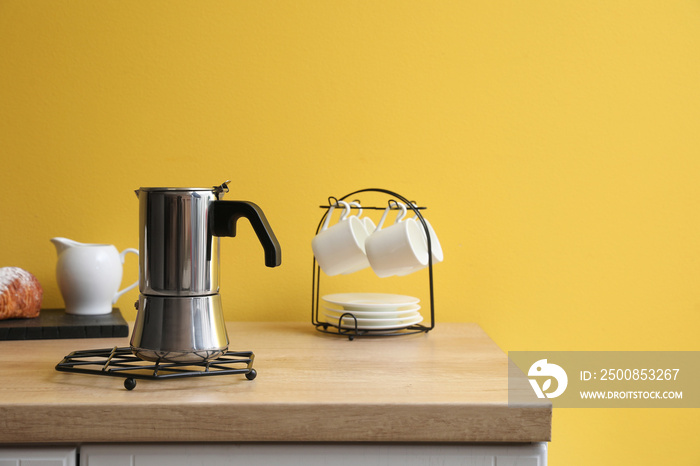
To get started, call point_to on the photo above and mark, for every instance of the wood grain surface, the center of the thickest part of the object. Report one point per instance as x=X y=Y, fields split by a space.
x=450 y=385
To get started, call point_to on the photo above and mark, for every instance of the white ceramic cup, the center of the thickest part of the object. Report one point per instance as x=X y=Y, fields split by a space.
x=398 y=249
x=435 y=246
x=369 y=228
x=340 y=248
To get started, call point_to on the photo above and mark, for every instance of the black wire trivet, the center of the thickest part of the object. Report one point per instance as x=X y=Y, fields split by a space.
x=121 y=362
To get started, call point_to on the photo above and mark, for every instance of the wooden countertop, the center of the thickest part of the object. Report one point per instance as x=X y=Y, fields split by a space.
x=449 y=385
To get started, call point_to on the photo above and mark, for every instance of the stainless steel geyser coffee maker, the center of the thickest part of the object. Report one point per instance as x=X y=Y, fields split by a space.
x=180 y=318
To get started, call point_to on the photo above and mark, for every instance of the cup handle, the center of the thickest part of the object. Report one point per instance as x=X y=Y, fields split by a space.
x=328 y=217
x=401 y=214
x=345 y=213
x=381 y=220
x=122 y=255
x=415 y=214
x=359 y=208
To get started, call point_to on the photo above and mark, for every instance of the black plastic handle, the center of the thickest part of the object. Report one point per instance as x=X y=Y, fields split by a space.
x=224 y=215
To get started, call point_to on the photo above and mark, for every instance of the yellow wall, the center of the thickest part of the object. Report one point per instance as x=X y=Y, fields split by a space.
x=556 y=144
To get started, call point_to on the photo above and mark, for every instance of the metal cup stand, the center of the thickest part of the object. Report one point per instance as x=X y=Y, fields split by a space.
x=350 y=330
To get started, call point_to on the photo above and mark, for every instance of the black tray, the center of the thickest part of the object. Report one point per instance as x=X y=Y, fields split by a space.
x=56 y=324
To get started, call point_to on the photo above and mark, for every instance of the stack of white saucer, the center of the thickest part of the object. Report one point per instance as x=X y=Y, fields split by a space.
x=373 y=311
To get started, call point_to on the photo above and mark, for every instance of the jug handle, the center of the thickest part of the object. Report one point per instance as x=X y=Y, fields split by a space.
x=225 y=214
x=122 y=255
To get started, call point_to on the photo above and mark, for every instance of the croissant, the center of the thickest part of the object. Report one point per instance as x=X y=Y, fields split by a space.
x=20 y=294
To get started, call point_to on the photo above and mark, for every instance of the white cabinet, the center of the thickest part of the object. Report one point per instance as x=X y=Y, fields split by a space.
x=262 y=454
x=38 y=456
x=265 y=454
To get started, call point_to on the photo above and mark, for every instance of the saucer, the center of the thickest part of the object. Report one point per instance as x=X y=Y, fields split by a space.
x=372 y=314
x=370 y=301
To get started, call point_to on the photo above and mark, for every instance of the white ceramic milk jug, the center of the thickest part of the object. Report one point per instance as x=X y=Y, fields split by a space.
x=89 y=276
